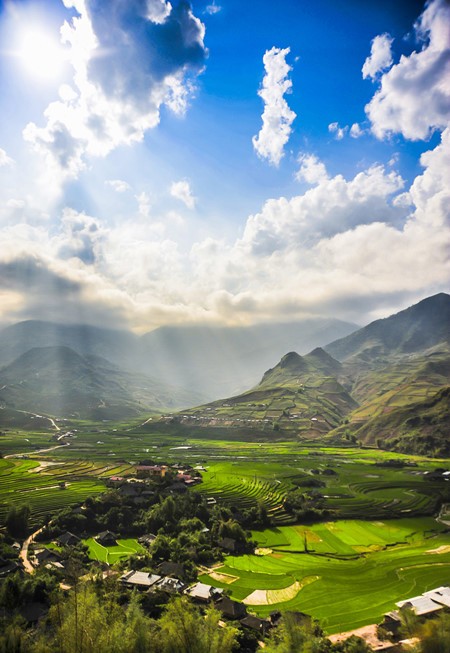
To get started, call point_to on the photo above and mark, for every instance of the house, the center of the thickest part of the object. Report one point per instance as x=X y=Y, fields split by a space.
x=152 y=470
x=262 y=626
x=177 y=487
x=175 y=569
x=106 y=538
x=231 y=609
x=203 y=593
x=68 y=539
x=147 y=539
x=171 y=585
x=230 y=545
x=46 y=556
x=9 y=567
x=141 y=580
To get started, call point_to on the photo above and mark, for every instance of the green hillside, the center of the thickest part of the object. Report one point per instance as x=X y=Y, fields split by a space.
x=59 y=382
x=299 y=395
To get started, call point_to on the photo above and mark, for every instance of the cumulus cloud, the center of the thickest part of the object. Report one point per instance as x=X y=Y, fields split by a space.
x=127 y=64
x=277 y=117
x=5 y=160
x=341 y=247
x=118 y=185
x=338 y=131
x=311 y=170
x=356 y=131
x=181 y=190
x=413 y=98
x=380 y=57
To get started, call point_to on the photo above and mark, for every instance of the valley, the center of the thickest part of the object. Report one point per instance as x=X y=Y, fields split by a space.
x=334 y=468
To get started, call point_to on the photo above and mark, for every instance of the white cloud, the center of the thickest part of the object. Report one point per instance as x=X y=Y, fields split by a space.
x=337 y=130
x=126 y=66
x=144 y=204
x=213 y=9
x=277 y=117
x=414 y=95
x=380 y=57
x=311 y=170
x=181 y=190
x=5 y=160
x=343 y=247
x=118 y=185
x=356 y=131
x=158 y=10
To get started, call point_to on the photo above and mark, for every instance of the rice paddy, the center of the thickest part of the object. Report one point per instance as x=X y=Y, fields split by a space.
x=350 y=574
x=345 y=572
x=112 y=554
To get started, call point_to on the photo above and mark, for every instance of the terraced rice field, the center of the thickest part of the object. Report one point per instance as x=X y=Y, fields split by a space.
x=351 y=574
x=38 y=484
x=111 y=554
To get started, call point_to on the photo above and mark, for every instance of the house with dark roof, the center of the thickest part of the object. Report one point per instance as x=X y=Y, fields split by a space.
x=9 y=567
x=45 y=556
x=68 y=539
x=230 y=545
x=106 y=538
x=262 y=626
x=147 y=539
x=231 y=609
x=171 y=569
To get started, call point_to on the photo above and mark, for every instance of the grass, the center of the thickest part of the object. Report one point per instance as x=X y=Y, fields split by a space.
x=111 y=554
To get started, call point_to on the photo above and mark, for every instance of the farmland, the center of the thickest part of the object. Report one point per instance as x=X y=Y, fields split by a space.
x=343 y=571
x=112 y=554
x=350 y=574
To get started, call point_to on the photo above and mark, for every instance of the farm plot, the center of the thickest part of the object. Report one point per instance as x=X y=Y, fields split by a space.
x=47 y=490
x=111 y=554
x=332 y=581
x=245 y=485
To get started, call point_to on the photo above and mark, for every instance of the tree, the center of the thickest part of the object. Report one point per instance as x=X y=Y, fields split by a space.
x=184 y=630
x=292 y=636
x=435 y=635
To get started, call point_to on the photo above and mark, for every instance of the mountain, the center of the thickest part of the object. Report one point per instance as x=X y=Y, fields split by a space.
x=420 y=328
x=210 y=361
x=59 y=382
x=120 y=347
x=421 y=427
x=220 y=361
x=389 y=387
x=300 y=395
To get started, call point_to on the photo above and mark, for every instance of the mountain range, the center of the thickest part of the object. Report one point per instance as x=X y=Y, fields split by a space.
x=387 y=383
x=87 y=371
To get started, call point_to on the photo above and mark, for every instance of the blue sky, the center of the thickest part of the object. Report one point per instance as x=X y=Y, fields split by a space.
x=224 y=162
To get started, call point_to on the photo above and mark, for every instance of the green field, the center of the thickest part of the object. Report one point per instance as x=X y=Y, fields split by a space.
x=38 y=484
x=111 y=554
x=352 y=573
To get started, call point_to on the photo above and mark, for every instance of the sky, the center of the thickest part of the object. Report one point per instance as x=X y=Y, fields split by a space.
x=224 y=162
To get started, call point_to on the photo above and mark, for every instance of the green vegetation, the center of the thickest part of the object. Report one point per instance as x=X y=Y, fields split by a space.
x=345 y=574
x=112 y=554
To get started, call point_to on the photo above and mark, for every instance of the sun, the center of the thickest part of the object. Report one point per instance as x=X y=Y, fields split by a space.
x=40 y=54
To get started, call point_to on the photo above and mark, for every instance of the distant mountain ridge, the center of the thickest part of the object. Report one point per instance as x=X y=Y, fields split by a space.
x=60 y=382
x=210 y=361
